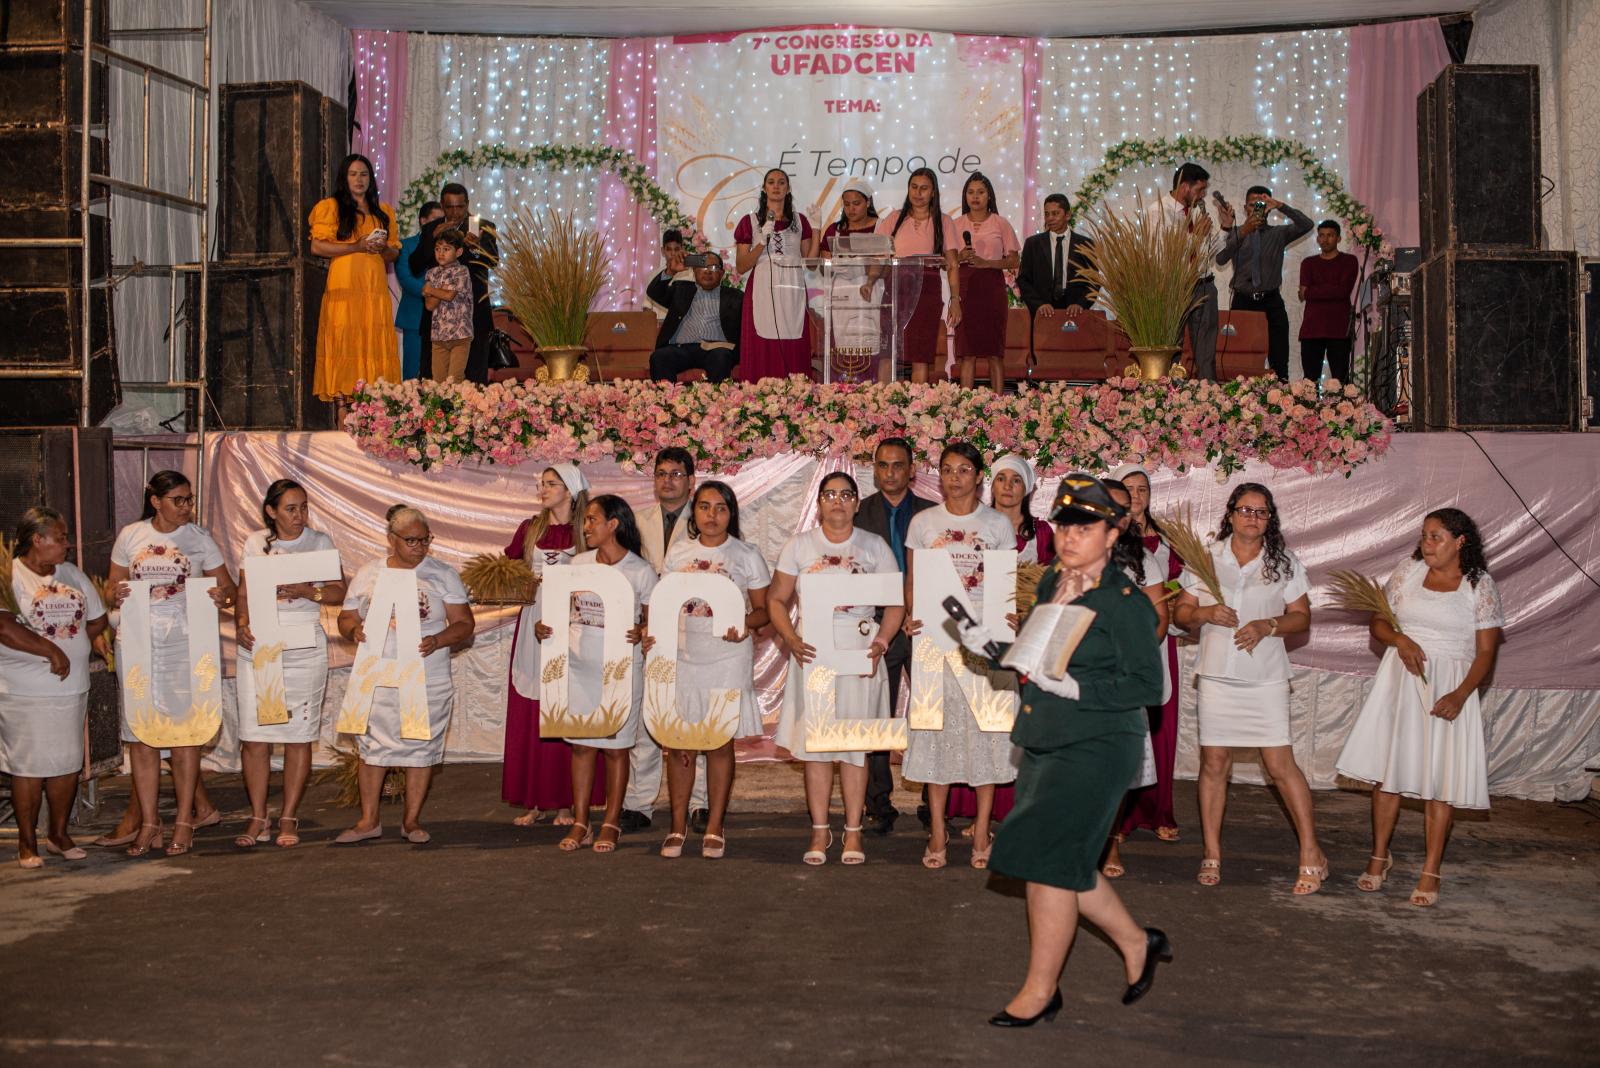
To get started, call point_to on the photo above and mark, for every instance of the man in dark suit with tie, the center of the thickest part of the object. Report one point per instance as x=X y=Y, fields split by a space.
x=1048 y=274
x=887 y=513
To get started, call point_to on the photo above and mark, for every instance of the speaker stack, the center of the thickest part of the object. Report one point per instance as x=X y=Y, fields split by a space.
x=41 y=166
x=1497 y=316
x=280 y=144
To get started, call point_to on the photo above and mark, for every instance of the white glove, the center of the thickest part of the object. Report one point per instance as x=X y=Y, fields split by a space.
x=1066 y=686
x=767 y=228
x=975 y=636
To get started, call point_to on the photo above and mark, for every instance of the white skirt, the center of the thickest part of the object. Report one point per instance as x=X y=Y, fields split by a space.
x=382 y=745
x=1243 y=714
x=585 y=658
x=305 y=681
x=1397 y=745
x=856 y=697
x=707 y=663
x=41 y=737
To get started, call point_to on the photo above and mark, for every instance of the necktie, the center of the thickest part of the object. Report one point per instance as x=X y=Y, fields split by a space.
x=1057 y=278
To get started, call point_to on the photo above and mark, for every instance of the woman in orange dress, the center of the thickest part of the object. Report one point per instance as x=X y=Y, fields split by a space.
x=356 y=341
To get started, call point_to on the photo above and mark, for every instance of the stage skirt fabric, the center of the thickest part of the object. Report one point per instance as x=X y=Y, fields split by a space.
x=858 y=697
x=922 y=331
x=356 y=340
x=982 y=329
x=1067 y=800
x=1397 y=745
x=584 y=661
x=169 y=670
x=1243 y=714
x=305 y=680
x=42 y=736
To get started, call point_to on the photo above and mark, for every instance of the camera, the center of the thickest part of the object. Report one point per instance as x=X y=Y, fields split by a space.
x=700 y=259
x=1258 y=208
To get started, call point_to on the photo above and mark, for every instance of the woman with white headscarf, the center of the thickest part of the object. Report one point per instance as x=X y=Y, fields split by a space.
x=1011 y=487
x=537 y=775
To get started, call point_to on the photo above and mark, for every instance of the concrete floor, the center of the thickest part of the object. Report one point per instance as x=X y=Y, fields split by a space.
x=489 y=947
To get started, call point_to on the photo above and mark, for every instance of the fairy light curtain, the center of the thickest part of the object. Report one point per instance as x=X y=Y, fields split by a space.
x=1079 y=98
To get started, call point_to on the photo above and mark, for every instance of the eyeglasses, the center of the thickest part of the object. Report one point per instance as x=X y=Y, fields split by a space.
x=964 y=469
x=834 y=496
x=672 y=476
x=416 y=543
x=181 y=502
x=1254 y=513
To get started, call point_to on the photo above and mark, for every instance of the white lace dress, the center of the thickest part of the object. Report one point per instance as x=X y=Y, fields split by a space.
x=1396 y=743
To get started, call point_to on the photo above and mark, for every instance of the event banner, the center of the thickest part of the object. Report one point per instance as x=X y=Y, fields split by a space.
x=829 y=104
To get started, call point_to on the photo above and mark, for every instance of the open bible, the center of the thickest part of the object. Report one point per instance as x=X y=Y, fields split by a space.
x=1047 y=640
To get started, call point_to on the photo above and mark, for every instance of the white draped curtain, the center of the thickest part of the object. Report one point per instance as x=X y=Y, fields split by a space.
x=252 y=41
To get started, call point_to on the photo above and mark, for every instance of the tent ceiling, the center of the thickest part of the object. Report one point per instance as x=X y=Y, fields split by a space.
x=1021 y=18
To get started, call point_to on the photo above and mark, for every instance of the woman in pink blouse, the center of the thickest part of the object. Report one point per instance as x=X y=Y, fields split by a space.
x=920 y=228
x=989 y=248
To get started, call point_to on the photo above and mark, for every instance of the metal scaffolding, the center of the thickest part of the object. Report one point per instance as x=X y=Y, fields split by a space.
x=195 y=197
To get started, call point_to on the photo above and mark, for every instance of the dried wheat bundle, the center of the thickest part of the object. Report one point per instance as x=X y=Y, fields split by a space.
x=1355 y=592
x=494 y=578
x=1028 y=576
x=1192 y=549
x=551 y=270
x=8 y=596
x=343 y=772
x=1144 y=271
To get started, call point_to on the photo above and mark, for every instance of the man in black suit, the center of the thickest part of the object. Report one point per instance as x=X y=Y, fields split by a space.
x=887 y=513
x=702 y=324
x=1048 y=274
x=482 y=255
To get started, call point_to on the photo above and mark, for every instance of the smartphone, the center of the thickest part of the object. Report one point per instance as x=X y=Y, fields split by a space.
x=380 y=234
x=474 y=225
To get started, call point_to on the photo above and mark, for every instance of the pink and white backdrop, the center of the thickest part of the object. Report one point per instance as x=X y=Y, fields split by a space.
x=708 y=114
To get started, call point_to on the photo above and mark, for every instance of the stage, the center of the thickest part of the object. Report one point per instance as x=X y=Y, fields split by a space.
x=1542 y=712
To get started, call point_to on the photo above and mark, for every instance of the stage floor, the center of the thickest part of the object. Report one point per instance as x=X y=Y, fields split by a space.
x=490 y=947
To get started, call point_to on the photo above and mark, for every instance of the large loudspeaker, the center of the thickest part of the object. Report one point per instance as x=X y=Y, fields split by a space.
x=69 y=470
x=262 y=326
x=1478 y=159
x=1497 y=336
x=273 y=168
x=41 y=162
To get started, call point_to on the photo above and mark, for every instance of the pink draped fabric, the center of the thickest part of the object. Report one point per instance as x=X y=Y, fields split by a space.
x=631 y=236
x=381 y=70
x=1389 y=65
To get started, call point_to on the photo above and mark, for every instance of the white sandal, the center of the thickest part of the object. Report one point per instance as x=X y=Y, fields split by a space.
x=818 y=857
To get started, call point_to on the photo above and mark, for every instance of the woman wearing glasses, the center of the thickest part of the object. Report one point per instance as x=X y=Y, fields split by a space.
x=446 y=621
x=166 y=548
x=835 y=544
x=1244 y=670
x=964 y=527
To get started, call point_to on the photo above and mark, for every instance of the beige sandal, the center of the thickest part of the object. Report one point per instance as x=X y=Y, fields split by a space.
x=250 y=837
x=569 y=844
x=1370 y=883
x=670 y=851
x=1210 y=872
x=1424 y=899
x=603 y=846
x=1311 y=879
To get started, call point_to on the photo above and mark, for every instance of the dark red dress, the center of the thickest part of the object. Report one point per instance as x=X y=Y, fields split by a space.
x=537 y=771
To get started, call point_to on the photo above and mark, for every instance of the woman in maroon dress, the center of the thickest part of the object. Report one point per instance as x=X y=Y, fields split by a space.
x=537 y=775
x=857 y=214
x=989 y=248
x=920 y=228
x=771 y=244
x=1151 y=807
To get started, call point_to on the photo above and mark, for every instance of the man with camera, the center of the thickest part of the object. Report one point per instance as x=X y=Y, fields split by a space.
x=481 y=255
x=702 y=324
x=1255 y=248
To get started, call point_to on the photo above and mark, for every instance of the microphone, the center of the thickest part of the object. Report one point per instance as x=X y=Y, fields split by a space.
x=966 y=235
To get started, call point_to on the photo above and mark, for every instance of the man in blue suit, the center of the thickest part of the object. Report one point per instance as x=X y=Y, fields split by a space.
x=408 y=318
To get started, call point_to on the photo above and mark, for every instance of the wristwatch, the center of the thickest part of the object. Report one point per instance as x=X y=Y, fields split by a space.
x=1272 y=626
x=316 y=594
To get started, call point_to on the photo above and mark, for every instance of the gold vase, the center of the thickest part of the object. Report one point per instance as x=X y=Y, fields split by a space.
x=1155 y=363
x=563 y=363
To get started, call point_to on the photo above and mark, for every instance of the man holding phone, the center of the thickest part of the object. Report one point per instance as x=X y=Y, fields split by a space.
x=480 y=255
x=1255 y=248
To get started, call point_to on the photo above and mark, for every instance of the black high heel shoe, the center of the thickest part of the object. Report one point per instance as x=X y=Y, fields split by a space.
x=1157 y=949
x=1048 y=1013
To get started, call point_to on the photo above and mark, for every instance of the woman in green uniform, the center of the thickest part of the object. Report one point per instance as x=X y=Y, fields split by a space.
x=1082 y=738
